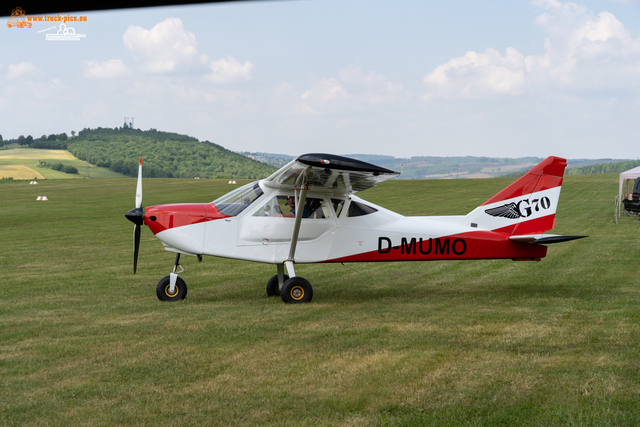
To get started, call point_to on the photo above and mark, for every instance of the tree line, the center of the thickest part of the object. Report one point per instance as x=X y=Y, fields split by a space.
x=164 y=154
x=58 y=166
x=613 y=167
x=52 y=142
x=617 y=167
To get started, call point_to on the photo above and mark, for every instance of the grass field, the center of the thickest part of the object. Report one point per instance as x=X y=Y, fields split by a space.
x=22 y=163
x=85 y=342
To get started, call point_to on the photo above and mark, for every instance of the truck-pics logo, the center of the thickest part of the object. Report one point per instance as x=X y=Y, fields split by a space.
x=18 y=19
x=65 y=34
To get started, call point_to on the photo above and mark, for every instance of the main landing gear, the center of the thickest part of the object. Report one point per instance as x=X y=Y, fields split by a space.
x=294 y=290
x=172 y=287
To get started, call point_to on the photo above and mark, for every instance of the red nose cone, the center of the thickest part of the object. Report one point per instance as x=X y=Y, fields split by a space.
x=163 y=217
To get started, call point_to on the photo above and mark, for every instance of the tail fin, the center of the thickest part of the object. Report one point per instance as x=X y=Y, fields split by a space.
x=528 y=206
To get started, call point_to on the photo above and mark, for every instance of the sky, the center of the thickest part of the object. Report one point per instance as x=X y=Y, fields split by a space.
x=401 y=78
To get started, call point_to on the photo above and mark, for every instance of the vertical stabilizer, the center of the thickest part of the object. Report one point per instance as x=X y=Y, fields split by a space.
x=528 y=206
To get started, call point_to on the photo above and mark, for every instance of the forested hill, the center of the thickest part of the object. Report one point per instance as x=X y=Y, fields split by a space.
x=164 y=155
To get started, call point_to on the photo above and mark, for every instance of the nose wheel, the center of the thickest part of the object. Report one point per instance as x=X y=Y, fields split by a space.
x=164 y=292
x=172 y=287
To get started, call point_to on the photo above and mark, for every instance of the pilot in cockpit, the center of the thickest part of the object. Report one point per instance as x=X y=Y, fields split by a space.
x=291 y=201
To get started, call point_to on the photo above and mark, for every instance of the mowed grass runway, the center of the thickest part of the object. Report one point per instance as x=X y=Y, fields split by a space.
x=83 y=341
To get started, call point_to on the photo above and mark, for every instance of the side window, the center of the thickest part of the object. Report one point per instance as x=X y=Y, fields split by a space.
x=284 y=206
x=338 y=204
x=317 y=209
x=359 y=209
x=273 y=207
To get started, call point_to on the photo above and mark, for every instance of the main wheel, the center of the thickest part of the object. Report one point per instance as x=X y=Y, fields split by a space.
x=296 y=290
x=272 y=286
x=164 y=286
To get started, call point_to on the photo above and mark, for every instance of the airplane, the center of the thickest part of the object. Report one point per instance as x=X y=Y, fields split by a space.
x=307 y=212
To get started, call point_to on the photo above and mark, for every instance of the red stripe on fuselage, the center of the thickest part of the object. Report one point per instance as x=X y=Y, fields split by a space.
x=163 y=217
x=464 y=246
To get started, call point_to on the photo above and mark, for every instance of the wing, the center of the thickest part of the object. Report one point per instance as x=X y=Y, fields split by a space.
x=329 y=173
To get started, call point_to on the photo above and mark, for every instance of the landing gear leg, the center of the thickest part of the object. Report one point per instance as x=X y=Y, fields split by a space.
x=174 y=274
x=172 y=287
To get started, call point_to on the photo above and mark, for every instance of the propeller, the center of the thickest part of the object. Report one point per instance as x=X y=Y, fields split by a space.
x=136 y=215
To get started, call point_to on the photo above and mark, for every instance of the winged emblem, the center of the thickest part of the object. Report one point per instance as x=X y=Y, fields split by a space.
x=510 y=210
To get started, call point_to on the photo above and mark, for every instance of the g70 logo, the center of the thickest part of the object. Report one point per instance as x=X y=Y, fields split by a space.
x=522 y=209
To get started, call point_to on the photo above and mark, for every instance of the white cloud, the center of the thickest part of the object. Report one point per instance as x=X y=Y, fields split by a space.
x=324 y=89
x=284 y=91
x=27 y=83
x=229 y=70
x=23 y=69
x=370 y=87
x=110 y=69
x=165 y=48
x=353 y=74
x=583 y=52
x=478 y=74
x=353 y=91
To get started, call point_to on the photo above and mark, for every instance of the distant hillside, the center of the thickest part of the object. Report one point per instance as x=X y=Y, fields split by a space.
x=588 y=167
x=275 y=160
x=432 y=167
x=612 y=167
x=164 y=154
x=425 y=167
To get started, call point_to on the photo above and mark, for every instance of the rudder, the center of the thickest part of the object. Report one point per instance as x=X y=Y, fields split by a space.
x=528 y=205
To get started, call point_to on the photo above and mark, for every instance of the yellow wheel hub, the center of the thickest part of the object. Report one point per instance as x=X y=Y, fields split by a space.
x=297 y=293
x=168 y=292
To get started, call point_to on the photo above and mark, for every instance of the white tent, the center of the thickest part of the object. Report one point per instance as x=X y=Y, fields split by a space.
x=627 y=176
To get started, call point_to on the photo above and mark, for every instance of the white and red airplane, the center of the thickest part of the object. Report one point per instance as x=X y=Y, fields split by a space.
x=307 y=212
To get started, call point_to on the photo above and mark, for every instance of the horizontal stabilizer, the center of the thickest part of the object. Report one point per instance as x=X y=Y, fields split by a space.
x=544 y=239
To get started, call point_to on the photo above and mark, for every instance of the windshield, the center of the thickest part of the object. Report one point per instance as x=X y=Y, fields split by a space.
x=233 y=203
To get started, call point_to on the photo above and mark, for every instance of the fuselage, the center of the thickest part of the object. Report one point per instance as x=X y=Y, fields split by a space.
x=252 y=225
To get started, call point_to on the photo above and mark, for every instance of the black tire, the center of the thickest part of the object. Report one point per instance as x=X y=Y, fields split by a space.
x=272 y=286
x=296 y=291
x=162 y=290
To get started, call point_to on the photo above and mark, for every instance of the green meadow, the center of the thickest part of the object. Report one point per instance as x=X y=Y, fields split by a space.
x=22 y=163
x=83 y=341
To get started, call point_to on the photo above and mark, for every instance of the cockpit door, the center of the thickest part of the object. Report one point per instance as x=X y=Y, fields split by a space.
x=272 y=222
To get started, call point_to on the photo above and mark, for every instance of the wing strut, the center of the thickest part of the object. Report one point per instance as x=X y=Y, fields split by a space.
x=300 y=191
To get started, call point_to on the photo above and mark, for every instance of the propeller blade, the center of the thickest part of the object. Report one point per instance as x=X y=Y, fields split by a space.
x=136 y=215
x=136 y=246
x=139 y=187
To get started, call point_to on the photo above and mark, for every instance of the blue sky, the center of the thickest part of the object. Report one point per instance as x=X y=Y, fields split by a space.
x=401 y=78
